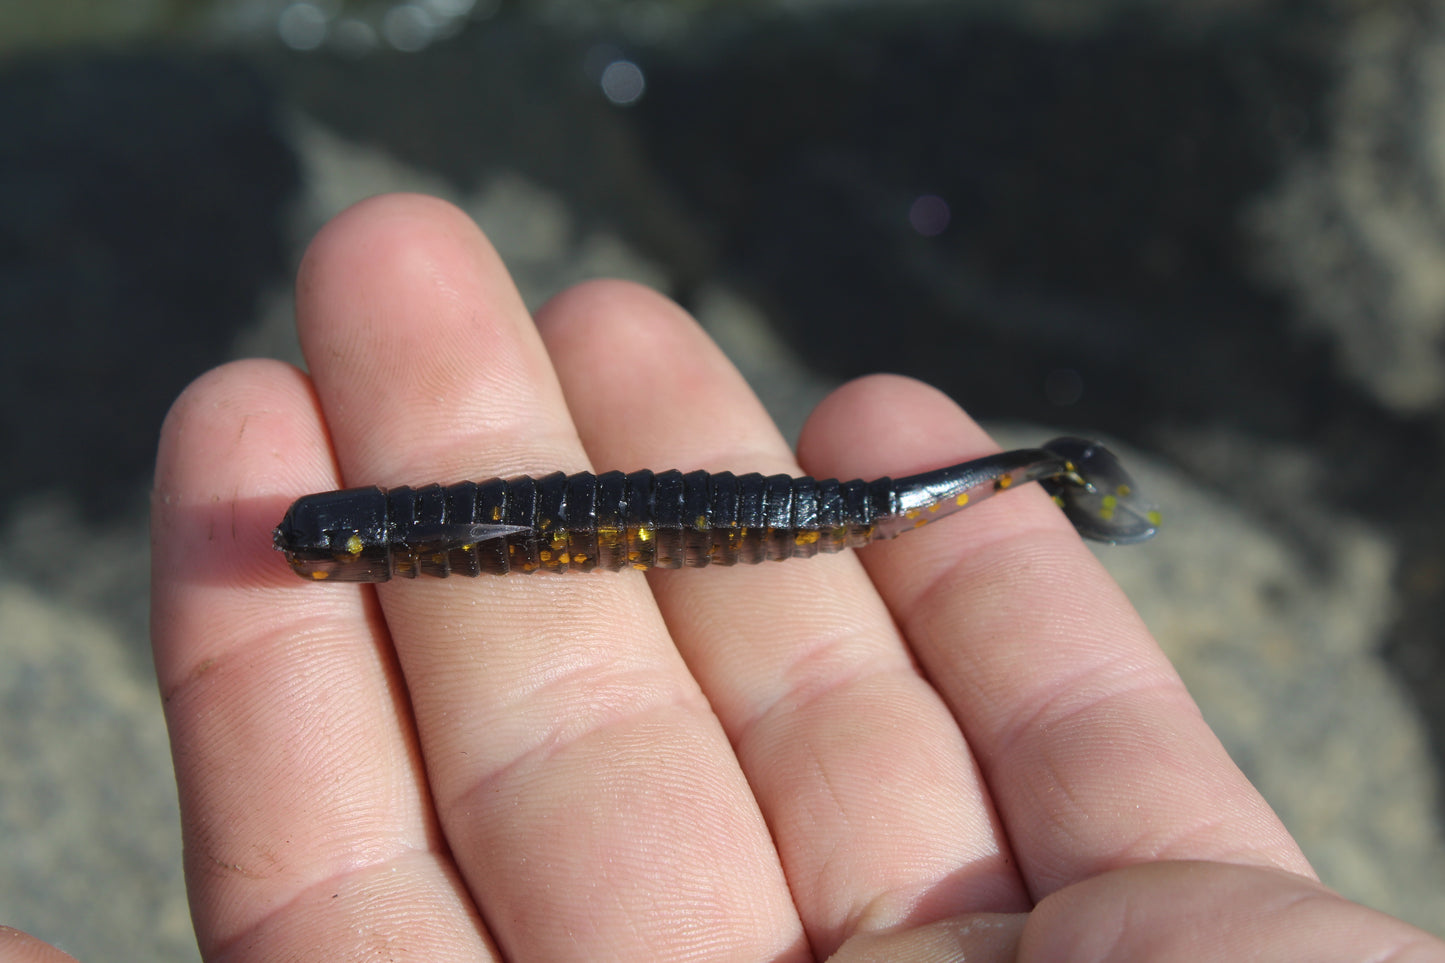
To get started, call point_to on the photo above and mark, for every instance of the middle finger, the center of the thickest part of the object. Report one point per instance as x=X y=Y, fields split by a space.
x=875 y=804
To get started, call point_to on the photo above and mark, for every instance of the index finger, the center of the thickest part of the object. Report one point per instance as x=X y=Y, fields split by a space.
x=585 y=789
x=1093 y=751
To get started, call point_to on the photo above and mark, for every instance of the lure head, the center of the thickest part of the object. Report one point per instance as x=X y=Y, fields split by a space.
x=1098 y=495
x=337 y=536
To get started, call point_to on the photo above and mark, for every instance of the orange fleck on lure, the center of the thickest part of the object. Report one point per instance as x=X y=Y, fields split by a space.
x=613 y=521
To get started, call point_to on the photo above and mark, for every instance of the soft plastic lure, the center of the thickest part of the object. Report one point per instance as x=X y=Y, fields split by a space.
x=614 y=521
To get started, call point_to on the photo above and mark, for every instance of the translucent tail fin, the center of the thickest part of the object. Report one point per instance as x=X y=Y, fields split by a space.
x=1098 y=496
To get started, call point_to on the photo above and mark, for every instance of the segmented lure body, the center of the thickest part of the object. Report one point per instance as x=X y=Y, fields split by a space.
x=669 y=519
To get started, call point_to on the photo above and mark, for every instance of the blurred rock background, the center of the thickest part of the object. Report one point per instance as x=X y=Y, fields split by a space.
x=1210 y=230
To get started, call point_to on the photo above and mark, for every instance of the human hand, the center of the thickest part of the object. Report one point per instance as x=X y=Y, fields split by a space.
x=959 y=745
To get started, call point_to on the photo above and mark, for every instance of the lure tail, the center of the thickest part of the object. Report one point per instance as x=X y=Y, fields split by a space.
x=1097 y=494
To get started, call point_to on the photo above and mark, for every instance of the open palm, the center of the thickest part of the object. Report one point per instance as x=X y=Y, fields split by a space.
x=960 y=745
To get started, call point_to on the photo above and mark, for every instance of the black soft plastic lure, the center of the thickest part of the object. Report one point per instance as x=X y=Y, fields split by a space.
x=614 y=521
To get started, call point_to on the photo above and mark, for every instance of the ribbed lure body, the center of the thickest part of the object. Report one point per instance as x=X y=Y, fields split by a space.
x=613 y=521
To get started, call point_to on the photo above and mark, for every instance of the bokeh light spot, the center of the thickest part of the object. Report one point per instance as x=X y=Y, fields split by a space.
x=302 y=26
x=409 y=27
x=929 y=215
x=622 y=82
